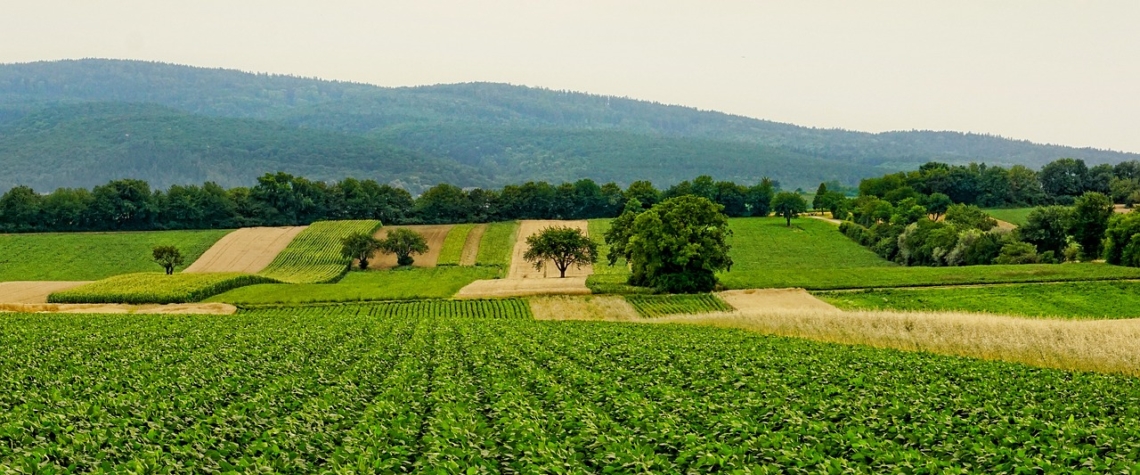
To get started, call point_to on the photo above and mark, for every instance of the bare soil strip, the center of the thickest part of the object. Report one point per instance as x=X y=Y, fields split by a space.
x=32 y=292
x=471 y=246
x=521 y=269
x=182 y=308
x=247 y=250
x=524 y=287
x=434 y=234
x=1121 y=209
x=780 y=300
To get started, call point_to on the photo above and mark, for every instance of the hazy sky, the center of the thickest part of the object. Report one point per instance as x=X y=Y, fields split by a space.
x=1047 y=71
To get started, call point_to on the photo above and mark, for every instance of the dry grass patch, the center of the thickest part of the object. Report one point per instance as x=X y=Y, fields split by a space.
x=247 y=250
x=753 y=300
x=612 y=308
x=33 y=292
x=1103 y=346
x=183 y=308
x=434 y=234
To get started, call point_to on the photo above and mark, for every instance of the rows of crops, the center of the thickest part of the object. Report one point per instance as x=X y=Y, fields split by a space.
x=436 y=387
x=653 y=306
x=452 y=250
x=156 y=287
x=314 y=255
x=497 y=245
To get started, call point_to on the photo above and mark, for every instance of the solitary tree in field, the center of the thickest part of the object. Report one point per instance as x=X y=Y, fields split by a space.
x=359 y=246
x=168 y=257
x=564 y=246
x=788 y=205
x=403 y=243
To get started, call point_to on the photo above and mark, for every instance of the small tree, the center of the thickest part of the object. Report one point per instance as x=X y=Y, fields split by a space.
x=168 y=257
x=788 y=205
x=359 y=246
x=403 y=243
x=937 y=204
x=1089 y=221
x=562 y=245
x=820 y=197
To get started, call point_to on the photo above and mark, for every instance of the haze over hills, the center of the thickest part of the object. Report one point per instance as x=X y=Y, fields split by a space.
x=81 y=123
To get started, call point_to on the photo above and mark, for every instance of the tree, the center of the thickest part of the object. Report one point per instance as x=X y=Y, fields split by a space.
x=758 y=198
x=404 y=242
x=1089 y=222
x=820 y=195
x=1122 y=241
x=564 y=246
x=1063 y=177
x=359 y=246
x=788 y=205
x=1047 y=228
x=970 y=217
x=168 y=257
x=678 y=245
x=937 y=204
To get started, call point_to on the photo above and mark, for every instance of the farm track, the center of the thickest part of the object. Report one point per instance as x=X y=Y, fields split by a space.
x=471 y=246
x=434 y=234
x=247 y=250
x=33 y=292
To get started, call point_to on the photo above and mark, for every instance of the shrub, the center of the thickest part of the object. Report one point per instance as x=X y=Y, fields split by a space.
x=1018 y=253
x=1122 y=229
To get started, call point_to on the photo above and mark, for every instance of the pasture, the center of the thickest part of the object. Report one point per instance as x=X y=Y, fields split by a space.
x=93 y=256
x=395 y=284
x=478 y=384
x=762 y=244
x=1015 y=216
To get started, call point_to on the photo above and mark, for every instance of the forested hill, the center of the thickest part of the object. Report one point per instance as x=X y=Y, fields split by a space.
x=484 y=134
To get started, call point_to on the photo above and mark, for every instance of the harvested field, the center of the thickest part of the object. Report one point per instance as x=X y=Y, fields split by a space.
x=521 y=269
x=247 y=250
x=778 y=300
x=181 y=308
x=591 y=307
x=471 y=247
x=434 y=234
x=32 y=292
x=524 y=287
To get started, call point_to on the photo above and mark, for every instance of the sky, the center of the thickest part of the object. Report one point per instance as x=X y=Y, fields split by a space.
x=1047 y=71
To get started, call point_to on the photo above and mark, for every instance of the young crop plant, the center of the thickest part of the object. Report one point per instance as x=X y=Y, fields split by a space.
x=654 y=306
x=156 y=288
x=314 y=256
x=453 y=245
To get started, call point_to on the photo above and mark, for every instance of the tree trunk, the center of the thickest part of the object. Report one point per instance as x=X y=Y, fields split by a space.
x=169 y=270
x=789 y=218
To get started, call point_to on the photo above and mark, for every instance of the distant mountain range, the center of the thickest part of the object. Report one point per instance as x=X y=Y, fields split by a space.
x=81 y=123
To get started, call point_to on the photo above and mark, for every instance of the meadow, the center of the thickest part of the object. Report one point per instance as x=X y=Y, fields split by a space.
x=762 y=244
x=313 y=257
x=1016 y=216
x=1076 y=300
x=478 y=386
x=93 y=256
x=394 y=284
x=156 y=287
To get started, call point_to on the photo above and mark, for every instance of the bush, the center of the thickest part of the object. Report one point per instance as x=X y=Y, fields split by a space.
x=1018 y=253
x=1121 y=233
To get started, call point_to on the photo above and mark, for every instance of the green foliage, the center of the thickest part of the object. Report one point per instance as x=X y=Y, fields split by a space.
x=498 y=244
x=1015 y=216
x=969 y=217
x=146 y=288
x=1047 y=228
x=654 y=306
x=359 y=246
x=564 y=246
x=314 y=256
x=678 y=245
x=1018 y=253
x=1076 y=300
x=404 y=243
x=1089 y=221
x=599 y=228
x=443 y=385
x=877 y=277
x=788 y=205
x=93 y=256
x=168 y=257
x=760 y=244
x=453 y=244
x=1121 y=245
x=937 y=204
x=395 y=284
x=1064 y=177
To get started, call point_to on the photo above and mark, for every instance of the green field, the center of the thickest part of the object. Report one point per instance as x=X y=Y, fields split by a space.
x=1078 y=300
x=155 y=287
x=313 y=257
x=762 y=244
x=497 y=245
x=653 y=306
x=878 y=277
x=1011 y=215
x=93 y=256
x=453 y=245
x=598 y=229
x=477 y=387
x=395 y=284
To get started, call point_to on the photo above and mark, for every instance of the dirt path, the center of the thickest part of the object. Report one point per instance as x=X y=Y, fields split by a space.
x=32 y=292
x=434 y=234
x=824 y=218
x=775 y=300
x=523 y=287
x=471 y=246
x=246 y=250
x=521 y=269
x=182 y=308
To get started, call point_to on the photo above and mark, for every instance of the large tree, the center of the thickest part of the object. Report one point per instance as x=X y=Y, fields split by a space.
x=404 y=242
x=359 y=246
x=1089 y=222
x=564 y=246
x=788 y=205
x=1047 y=228
x=1064 y=177
x=677 y=246
x=168 y=257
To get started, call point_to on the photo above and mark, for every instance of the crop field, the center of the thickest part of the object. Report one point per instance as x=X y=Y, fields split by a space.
x=1078 y=300
x=766 y=243
x=498 y=244
x=479 y=387
x=314 y=255
x=93 y=256
x=879 y=277
x=653 y=306
x=155 y=287
x=396 y=284
x=453 y=244
x=1015 y=216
